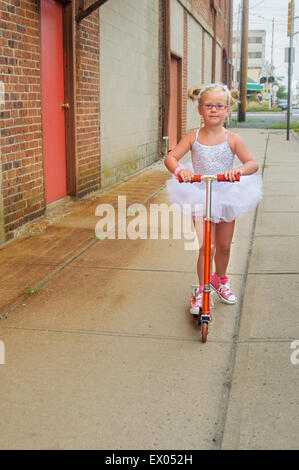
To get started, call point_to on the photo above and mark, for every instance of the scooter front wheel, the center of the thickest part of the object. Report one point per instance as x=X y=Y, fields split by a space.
x=204 y=331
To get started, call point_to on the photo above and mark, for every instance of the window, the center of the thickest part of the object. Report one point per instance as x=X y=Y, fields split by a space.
x=254 y=55
x=255 y=40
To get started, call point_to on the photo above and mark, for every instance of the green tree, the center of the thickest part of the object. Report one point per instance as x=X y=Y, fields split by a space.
x=282 y=93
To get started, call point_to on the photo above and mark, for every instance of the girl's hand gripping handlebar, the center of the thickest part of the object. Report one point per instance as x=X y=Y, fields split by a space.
x=199 y=178
x=222 y=178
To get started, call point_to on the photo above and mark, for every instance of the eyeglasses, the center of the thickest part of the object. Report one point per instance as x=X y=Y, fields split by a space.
x=216 y=106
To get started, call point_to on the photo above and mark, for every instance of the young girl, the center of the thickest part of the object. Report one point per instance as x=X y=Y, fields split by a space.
x=212 y=151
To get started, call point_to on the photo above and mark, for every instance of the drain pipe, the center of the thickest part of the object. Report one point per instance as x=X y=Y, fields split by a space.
x=167 y=68
x=166 y=140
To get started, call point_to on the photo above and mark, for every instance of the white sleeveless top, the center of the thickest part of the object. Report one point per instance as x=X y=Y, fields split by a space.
x=211 y=159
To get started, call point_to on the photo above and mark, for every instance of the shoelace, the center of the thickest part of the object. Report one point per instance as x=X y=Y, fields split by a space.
x=225 y=289
x=198 y=298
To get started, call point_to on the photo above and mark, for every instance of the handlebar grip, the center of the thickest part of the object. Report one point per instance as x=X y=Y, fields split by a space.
x=222 y=178
x=195 y=179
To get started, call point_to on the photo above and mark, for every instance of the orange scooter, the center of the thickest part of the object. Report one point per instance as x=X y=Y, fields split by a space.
x=204 y=315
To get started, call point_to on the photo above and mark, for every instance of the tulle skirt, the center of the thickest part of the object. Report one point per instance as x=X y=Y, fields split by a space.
x=228 y=199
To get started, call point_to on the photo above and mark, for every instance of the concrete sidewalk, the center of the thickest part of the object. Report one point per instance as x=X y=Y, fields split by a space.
x=105 y=355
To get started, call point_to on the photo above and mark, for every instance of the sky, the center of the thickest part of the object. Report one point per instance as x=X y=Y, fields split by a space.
x=261 y=14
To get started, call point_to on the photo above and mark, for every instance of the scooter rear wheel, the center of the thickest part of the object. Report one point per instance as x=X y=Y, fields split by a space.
x=204 y=331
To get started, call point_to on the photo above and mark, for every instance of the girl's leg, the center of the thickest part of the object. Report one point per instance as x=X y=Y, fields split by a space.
x=199 y=227
x=219 y=280
x=196 y=302
x=223 y=239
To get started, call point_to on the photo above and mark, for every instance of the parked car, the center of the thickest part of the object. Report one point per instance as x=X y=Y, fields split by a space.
x=295 y=106
x=283 y=104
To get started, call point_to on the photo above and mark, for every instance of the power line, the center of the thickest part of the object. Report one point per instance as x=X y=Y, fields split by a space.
x=254 y=6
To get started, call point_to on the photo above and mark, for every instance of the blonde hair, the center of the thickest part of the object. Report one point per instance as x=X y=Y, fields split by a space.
x=197 y=93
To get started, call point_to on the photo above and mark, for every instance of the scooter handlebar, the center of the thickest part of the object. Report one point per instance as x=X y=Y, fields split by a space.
x=195 y=179
x=220 y=177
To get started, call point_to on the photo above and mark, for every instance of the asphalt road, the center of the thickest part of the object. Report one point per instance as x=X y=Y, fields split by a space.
x=263 y=119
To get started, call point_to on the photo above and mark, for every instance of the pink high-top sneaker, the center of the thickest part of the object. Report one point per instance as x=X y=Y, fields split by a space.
x=221 y=287
x=196 y=301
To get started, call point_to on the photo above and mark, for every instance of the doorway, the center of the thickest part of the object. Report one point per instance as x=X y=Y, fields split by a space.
x=53 y=100
x=175 y=106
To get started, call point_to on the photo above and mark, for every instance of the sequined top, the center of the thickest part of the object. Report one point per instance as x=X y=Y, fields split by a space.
x=211 y=159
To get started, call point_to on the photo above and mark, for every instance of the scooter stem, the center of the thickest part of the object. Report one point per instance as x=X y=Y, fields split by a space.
x=207 y=255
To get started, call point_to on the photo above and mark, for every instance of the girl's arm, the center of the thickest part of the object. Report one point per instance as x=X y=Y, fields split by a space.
x=171 y=161
x=249 y=164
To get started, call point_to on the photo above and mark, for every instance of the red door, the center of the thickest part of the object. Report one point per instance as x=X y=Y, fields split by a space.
x=53 y=98
x=175 y=102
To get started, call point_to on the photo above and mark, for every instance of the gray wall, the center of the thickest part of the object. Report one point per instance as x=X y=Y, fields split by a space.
x=194 y=69
x=129 y=87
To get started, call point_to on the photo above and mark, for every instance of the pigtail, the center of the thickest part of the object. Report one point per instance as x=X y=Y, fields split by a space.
x=193 y=93
x=234 y=96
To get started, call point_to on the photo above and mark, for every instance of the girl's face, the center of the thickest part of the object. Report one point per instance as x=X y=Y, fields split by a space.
x=214 y=108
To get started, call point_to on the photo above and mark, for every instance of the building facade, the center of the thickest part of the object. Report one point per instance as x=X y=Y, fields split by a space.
x=256 y=53
x=88 y=90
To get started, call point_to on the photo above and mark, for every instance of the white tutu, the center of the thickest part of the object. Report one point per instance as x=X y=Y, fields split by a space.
x=228 y=199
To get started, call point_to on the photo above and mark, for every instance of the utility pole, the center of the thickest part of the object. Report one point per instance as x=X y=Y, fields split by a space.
x=244 y=63
x=290 y=58
x=272 y=43
x=272 y=68
x=238 y=41
x=229 y=61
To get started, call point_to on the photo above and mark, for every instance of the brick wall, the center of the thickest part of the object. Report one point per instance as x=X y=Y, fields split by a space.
x=21 y=140
x=20 y=115
x=88 y=104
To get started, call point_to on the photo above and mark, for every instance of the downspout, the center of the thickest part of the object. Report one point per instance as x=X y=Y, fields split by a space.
x=167 y=71
x=214 y=42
